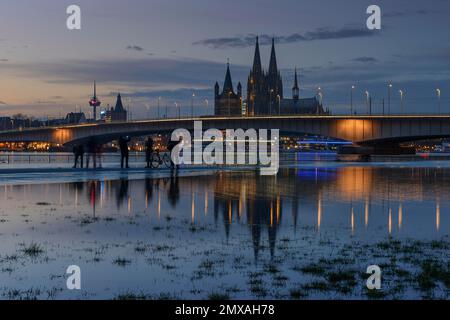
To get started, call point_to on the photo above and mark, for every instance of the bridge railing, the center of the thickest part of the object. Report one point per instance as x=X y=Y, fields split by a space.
x=11 y=158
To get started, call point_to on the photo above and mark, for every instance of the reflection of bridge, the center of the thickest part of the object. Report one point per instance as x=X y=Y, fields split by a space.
x=365 y=130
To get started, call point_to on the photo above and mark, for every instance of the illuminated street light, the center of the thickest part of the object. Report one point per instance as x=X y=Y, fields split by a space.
x=271 y=102
x=438 y=91
x=178 y=107
x=351 y=100
x=389 y=97
x=320 y=94
x=279 y=104
x=368 y=100
x=159 y=101
x=229 y=103
x=192 y=104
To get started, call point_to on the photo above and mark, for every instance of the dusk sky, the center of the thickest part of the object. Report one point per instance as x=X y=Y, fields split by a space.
x=151 y=48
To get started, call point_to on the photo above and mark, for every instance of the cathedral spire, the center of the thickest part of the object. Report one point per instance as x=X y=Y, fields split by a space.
x=295 y=89
x=257 y=68
x=273 y=68
x=228 y=84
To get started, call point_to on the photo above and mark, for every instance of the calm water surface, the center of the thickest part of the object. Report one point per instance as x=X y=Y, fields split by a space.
x=239 y=234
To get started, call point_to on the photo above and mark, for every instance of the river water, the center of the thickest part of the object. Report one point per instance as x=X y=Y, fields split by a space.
x=310 y=232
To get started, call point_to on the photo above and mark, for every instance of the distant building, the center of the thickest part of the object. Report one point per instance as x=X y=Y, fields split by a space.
x=76 y=118
x=5 y=123
x=116 y=114
x=228 y=103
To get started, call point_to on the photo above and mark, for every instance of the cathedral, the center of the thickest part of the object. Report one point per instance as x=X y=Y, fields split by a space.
x=264 y=93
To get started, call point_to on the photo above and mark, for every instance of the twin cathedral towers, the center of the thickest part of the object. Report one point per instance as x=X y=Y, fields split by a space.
x=264 y=93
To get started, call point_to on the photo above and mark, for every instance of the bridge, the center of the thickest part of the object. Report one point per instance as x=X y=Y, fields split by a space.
x=362 y=130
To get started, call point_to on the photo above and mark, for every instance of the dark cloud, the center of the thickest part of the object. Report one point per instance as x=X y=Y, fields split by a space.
x=2 y=103
x=4 y=60
x=147 y=72
x=135 y=48
x=395 y=14
x=365 y=59
x=315 y=35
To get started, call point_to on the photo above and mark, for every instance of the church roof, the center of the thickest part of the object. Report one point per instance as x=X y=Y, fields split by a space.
x=119 y=106
x=306 y=104
x=257 y=67
x=228 y=84
x=273 y=68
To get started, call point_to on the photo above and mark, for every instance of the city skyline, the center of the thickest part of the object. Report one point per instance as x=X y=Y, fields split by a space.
x=46 y=69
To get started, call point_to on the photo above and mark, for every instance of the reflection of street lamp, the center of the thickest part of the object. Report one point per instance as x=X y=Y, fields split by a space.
x=351 y=100
x=401 y=100
x=438 y=91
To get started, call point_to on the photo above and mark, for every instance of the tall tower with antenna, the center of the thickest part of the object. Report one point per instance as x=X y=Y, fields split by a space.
x=94 y=102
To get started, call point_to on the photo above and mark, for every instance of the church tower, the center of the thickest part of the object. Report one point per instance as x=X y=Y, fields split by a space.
x=256 y=86
x=274 y=81
x=228 y=103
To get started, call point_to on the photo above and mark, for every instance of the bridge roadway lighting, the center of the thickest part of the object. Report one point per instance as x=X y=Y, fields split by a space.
x=438 y=92
x=401 y=100
x=351 y=100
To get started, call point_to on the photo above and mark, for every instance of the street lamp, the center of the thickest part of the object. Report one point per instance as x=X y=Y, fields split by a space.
x=401 y=99
x=389 y=98
x=177 y=107
x=368 y=100
x=351 y=100
x=320 y=94
x=271 y=102
x=438 y=91
x=147 y=106
x=229 y=103
x=192 y=104
x=159 y=101
x=279 y=104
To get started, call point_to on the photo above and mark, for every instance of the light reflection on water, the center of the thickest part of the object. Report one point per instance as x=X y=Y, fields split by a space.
x=234 y=214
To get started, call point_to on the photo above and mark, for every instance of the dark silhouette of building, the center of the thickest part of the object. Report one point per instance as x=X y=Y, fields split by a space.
x=6 y=123
x=116 y=114
x=75 y=118
x=265 y=91
x=228 y=103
